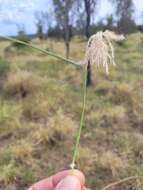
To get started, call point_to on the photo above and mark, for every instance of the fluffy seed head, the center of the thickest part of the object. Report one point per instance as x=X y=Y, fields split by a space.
x=100 y=50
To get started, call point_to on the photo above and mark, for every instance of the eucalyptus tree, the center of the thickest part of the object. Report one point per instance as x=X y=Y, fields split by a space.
x=124 y=12
x=89 y=7
x=63 y=12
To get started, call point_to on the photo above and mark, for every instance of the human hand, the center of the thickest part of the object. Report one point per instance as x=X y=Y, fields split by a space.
x=66 y=180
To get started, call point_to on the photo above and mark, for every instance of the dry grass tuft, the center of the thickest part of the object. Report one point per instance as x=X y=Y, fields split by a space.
x=109 y=117
x=86 y=159
x=37 y=109
x=112 y=162
x=121 y=93
x=21 y=84
x=22 y=151
x=8 y=173
x=55 y=130
x=10 y=116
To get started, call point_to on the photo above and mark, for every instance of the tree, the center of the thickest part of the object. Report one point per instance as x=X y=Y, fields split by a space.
x=55 y=32
x=110 y=22
x=40 y=24
x=63 y=11
x=80 y=23
x=124 y=12
x=89 y=9
x=22 y=36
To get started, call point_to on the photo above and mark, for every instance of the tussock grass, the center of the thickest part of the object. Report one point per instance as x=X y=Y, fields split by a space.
x=111 y=161
x=21 y=84
x=10 y=115
x=52 y=130
x=4 y=67
x=8 y=173
x=36 y=109
x=122 y=93
x=86 y=159
x=22 y=151
x=115 y=117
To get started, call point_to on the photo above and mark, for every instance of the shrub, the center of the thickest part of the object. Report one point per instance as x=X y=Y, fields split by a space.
x=22 y=37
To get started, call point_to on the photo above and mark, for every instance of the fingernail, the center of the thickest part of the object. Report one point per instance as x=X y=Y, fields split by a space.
x=69 y=183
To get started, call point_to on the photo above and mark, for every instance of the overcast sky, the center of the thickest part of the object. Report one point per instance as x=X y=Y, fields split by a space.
x=18 y=12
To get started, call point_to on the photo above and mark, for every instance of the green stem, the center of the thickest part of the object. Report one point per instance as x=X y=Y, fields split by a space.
x=75 y=153
x=50 y=53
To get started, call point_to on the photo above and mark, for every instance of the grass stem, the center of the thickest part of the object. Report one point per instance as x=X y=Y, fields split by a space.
x=121 y=181
x=50 y=53
x=75 y=152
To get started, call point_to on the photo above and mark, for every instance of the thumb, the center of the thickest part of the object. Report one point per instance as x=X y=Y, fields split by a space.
x=70 y=182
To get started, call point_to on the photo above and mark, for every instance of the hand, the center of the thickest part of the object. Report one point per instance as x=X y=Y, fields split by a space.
x=66 y=180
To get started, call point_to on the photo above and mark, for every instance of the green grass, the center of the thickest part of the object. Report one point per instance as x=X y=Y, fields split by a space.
x=37 y=131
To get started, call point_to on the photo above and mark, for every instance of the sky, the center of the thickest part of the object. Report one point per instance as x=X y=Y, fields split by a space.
x=16 y=13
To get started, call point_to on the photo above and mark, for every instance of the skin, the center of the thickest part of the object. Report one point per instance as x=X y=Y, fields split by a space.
x=65 y=180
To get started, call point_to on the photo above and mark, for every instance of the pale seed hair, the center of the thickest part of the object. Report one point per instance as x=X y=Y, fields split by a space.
x=100 y=50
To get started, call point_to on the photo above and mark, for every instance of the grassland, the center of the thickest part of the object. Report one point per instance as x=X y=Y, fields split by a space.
x=40 y=106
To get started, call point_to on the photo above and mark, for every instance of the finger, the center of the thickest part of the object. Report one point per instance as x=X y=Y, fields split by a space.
x=79 y=175
x=70 y=182
x=51 y=182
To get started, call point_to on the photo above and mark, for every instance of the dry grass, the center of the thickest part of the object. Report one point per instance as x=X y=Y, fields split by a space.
x=21 y=84
x=111 y=161
x=54 y=131
x=8 y=173
x=86 y=159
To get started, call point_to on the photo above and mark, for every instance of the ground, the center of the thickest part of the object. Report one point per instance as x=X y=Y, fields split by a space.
x=41 y=102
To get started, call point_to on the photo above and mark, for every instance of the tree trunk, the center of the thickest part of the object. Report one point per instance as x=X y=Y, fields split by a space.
x=88 y=18
x=67 y=32
x=87 y=33
x=89 y=80
x=67 y=49
x=87 y=29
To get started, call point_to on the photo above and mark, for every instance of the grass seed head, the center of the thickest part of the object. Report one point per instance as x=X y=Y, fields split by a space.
x=100 y=50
